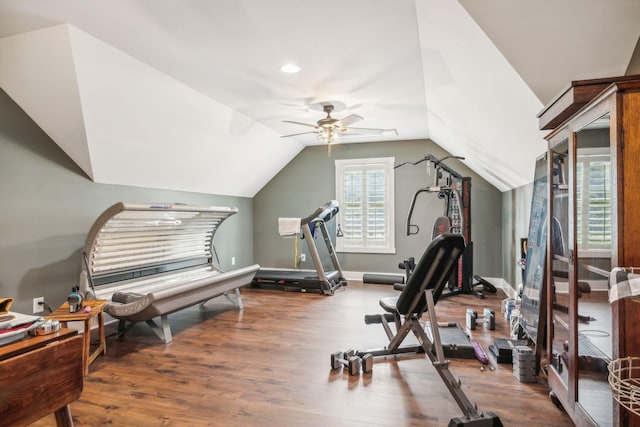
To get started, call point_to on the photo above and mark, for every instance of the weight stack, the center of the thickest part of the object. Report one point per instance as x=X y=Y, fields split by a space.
x=524 y=364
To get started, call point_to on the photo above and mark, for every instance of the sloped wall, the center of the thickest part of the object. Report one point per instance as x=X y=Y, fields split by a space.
x=126 y=123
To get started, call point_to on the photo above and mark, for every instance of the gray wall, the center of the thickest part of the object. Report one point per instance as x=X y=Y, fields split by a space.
x=48 y=206
x=516 y=208
x=309 y=180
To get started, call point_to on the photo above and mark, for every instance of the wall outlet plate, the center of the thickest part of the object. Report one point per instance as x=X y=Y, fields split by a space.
x=38 y=305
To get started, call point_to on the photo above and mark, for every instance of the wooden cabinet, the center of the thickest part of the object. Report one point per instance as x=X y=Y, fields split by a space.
x=40 y=375
x=593 y=226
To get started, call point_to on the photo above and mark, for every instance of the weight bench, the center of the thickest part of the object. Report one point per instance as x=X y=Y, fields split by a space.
x=149 y=261
x=417 y=297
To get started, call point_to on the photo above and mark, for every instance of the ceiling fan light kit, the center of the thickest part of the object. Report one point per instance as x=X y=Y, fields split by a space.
x=328 y=136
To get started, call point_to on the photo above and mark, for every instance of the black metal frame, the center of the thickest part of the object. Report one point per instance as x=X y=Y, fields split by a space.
x=418 y=297
x=450 y=188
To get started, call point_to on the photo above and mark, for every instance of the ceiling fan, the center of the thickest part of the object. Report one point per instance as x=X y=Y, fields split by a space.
x=330 y=130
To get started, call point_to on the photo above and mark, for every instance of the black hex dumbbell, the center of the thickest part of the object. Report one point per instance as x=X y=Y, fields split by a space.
x=488 y=317
x=352 y=362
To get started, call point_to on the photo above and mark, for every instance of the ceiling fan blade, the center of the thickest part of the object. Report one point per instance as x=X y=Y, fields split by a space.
x=351 y=118
x=363 y=131
x=297 y=134
x=299 y=123
x=371 y=131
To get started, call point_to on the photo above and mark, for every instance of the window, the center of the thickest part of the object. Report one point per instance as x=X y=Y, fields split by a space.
x=364 y=189
x=593 y=201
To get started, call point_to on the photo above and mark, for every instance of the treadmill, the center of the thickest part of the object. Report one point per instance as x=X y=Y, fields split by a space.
x=313 y=281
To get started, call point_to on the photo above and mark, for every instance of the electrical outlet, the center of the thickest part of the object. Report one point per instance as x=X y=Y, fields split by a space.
x=233 y=260
x=38 y=305
x=303 y=257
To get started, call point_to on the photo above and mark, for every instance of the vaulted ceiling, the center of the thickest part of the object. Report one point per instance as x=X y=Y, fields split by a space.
x=188 y=95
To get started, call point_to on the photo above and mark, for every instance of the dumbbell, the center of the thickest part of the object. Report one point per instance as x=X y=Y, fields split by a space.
x=488 y=317
x=352 y=362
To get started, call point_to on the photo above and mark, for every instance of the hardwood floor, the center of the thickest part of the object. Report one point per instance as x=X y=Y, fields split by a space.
x=268 y=365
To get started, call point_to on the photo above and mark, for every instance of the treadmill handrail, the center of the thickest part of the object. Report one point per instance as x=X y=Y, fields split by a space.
x=324 y=213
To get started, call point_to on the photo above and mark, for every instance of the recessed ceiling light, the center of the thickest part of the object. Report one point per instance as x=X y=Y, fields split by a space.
x=290 y=68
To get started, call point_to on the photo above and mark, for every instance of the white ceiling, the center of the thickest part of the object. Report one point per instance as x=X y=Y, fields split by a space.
x=188 y=95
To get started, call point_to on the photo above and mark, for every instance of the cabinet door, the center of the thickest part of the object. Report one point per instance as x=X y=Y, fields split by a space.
x=559 y=271
x=591 y=234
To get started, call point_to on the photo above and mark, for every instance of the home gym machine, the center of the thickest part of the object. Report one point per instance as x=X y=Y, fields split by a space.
x=321 y=280
x=455 y=191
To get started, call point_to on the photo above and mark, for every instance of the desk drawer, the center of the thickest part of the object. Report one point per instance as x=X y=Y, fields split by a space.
x=39 y=382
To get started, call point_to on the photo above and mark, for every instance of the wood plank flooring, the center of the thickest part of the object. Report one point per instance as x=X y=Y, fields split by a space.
x=268 y=365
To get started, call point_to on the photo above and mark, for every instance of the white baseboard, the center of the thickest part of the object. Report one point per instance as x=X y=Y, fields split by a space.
x=502 y=284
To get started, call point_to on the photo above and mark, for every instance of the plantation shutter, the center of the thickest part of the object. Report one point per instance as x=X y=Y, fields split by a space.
x=365 y=192
x=593 y=196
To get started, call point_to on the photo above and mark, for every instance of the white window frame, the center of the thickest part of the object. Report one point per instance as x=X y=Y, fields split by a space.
x=344 y=244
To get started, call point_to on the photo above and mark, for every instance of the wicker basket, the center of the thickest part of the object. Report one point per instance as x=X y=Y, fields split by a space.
x=624 y=380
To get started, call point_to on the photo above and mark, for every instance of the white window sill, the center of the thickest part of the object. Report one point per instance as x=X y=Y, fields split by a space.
x=594 y=253
x=367 y=250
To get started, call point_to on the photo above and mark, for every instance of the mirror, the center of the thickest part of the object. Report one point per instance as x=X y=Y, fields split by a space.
x=592 y=232
x=532 y=313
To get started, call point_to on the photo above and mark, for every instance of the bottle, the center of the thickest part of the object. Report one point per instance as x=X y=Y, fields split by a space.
x=75 y=300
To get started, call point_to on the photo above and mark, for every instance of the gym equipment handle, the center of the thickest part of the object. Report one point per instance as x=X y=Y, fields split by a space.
x=410 y=214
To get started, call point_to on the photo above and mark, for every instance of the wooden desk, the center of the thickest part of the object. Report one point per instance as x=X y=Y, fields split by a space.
x=63 y=316
x=40 y=375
